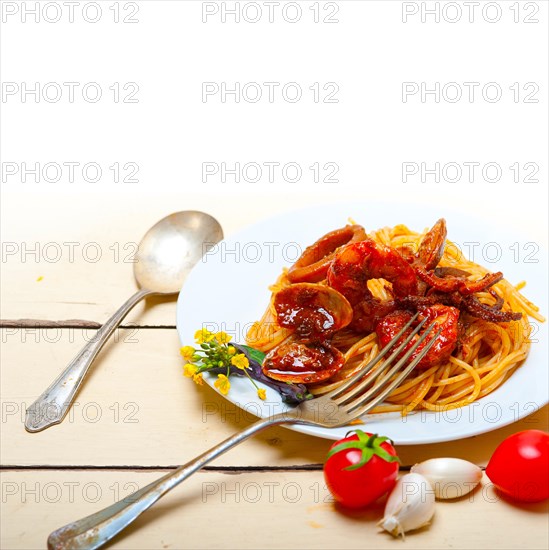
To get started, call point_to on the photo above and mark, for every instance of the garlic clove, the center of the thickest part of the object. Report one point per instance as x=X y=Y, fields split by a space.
x=450 y=477
x=410 y=505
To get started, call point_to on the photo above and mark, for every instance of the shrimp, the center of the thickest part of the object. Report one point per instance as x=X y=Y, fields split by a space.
x=355 y=265
x=445 y=317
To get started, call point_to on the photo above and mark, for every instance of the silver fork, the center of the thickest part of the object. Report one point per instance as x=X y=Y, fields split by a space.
x=348 y=402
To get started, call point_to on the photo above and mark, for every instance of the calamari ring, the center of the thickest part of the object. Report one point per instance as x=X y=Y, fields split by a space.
x=312 y=265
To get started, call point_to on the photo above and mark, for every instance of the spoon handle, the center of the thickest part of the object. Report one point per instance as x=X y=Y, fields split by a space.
x=52 y=406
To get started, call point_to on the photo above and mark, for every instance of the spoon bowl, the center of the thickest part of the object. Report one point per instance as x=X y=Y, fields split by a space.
x=172 y=247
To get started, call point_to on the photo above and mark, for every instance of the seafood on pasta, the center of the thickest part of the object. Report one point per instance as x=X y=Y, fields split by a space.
x=351 y=292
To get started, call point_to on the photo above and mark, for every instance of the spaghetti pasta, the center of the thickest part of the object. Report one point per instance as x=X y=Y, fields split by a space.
x=487 y=354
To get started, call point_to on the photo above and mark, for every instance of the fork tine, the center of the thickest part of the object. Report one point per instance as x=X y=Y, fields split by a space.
x=357 y=391
x=360 y=406
x=377 y=373
x=363 y=372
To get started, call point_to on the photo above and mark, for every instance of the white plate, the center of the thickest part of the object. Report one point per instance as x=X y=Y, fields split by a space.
x=228 y=290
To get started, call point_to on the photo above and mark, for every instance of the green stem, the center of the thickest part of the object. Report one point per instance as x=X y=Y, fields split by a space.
x=251 y=379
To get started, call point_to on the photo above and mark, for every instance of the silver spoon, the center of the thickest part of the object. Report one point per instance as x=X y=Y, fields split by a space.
x=166 y=254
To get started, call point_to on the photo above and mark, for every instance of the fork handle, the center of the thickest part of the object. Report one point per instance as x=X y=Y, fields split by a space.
x=54 y=403
x=95 y=530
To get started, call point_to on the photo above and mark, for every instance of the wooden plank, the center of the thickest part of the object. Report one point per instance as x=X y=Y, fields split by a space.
x=289 y=509
x=136 y=408
x=44 y=323
x=62 y=263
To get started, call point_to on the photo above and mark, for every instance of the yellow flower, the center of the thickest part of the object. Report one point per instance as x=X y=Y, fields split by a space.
x=197 y=379
x=262 y=394
x=240 y=361
x=222 y=384
x=203 y=335
x=189 y=370
x=231 y=350
x=222 y=338
x=187 y=353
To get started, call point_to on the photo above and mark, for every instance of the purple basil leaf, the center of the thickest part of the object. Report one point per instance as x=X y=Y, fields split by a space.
x=292 y=394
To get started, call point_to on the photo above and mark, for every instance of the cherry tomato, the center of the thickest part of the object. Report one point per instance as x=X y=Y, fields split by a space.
x=360 y=468
x=519 y=467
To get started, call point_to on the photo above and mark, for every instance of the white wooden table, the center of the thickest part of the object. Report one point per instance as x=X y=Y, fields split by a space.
x=137 y=416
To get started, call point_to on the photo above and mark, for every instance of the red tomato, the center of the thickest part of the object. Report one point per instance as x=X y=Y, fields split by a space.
x=360 y=468
x=519 y=467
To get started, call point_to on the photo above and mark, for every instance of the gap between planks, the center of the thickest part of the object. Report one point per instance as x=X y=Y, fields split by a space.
x=222 y=469
x=70 y=323
x=226 y=469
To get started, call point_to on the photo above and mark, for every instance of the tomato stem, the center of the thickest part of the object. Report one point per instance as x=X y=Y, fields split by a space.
x=370 y=445
x=371 y=441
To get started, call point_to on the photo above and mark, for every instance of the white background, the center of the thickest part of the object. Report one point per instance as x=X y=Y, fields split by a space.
x=173 y=47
